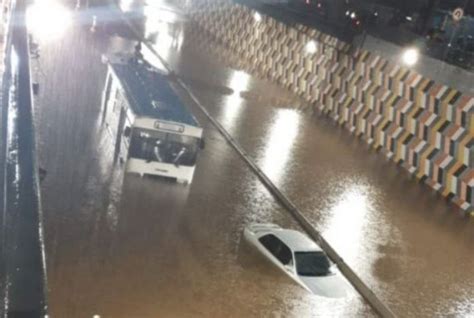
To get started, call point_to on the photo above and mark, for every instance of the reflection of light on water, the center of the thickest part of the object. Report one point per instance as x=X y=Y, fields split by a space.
x=345 y=230
x=112 y=174
x=161 y=14
x=152 y=58
x=165 y=37
x=126 y=5
x=280 y=143
x=239 y=82
x=14 y=61
x=12 y=136
x=461 y=308
x=152 y=23
x=48 y=19
x=162 y=28
x=115 y=195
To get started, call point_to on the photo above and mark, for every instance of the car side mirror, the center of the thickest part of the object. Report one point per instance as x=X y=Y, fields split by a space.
x=127 y=131
x=202 y=144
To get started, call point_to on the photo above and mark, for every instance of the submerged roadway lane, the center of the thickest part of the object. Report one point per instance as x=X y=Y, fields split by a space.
x=148 y=248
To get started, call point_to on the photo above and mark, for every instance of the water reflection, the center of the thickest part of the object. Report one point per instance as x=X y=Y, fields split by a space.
x=238 y=82
x=351 y=226
x=161 y=13
x=280 y=141
x=349 y=217
x=48 y=20
x=462 y=308
x=166 y=38
x=162 y=29
x=127 y=5
x=112 y=176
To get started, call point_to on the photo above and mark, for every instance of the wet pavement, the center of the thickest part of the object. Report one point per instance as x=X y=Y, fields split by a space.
x=149 y=248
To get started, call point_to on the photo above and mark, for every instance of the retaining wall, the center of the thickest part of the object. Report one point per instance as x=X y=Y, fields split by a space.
x=426 y=127
x=22 y=263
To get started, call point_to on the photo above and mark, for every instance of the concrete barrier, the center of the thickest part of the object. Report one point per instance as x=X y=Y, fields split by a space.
x=23 y=266
x=422 y=125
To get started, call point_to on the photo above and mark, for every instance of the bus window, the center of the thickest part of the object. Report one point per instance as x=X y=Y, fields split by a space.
x=164 y=147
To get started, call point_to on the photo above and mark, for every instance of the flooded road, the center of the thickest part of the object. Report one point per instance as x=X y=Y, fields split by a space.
x=149 y=248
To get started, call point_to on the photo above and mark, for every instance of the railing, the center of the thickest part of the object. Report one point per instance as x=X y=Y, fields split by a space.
x=23 y=279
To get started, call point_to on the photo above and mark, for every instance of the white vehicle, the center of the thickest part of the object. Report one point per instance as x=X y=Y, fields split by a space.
x=299 y=257
x=152 y=129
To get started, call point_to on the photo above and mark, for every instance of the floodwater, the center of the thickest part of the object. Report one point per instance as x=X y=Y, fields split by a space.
x=133 y=247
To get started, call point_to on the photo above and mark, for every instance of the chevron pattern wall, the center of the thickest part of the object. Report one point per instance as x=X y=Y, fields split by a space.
x=426 y=127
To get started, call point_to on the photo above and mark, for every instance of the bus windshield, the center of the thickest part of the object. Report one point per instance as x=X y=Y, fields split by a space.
x=166 y=147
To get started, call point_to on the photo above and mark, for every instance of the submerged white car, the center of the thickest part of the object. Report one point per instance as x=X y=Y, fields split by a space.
x=299 y=257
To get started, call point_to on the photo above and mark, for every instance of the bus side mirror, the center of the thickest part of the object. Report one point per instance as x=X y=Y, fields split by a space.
x=127 y=132
x=202 y=145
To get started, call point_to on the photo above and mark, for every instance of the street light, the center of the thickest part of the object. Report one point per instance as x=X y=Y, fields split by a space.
x=410 y=56
x=257 y=17
x=48 y=19
x=311 y=47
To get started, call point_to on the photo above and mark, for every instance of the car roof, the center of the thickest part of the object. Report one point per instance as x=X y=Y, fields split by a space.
x=295 y=240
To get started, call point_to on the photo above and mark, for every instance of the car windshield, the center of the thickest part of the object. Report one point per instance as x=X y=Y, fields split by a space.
x=164 y=147
x=312 y=264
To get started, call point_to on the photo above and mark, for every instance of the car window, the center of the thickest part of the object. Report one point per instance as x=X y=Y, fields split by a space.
x=312 y=264
x=275 y=246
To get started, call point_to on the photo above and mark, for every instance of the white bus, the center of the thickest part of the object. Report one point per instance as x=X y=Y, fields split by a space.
x=149 y=124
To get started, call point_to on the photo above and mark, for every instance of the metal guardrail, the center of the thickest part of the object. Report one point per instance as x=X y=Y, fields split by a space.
x=23 y=261
x=364 y=290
